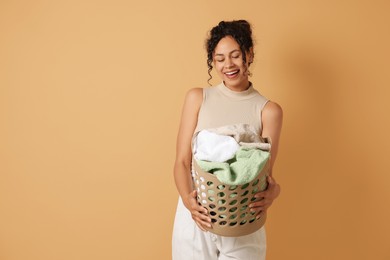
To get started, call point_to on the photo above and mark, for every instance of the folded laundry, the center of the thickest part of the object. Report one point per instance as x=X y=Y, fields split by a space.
x=262 y=146
x=240 y=132
x=243 y=168
x=214 y=147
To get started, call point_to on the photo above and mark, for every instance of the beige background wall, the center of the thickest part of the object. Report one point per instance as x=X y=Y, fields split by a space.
x=90 y=98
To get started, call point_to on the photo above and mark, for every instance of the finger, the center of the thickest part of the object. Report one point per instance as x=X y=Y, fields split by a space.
x=261 y=194
x=202 y=209
x=260 y=213
x=195 y=205
x=204 y=224
x=257 y=204
x=203 y=217
x=199 y=215
x=256 y=209
x=199 y=209
x=257 y=212
x=262 y=203
x=204 y=221
x=193 y=194
x=200 y=226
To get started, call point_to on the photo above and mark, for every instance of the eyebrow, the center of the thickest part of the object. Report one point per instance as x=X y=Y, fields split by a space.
x=220 y=54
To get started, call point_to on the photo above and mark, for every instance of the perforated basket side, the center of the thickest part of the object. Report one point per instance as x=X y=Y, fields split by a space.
x=228 y=205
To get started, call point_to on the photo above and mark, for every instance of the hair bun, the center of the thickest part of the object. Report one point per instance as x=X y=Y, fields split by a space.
x=222 y=24
x=245 y=26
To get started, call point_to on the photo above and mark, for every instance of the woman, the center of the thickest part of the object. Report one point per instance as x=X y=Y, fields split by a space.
x=230 y=52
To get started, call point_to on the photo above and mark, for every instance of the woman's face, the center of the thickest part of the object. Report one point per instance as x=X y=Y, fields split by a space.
x=229 y=64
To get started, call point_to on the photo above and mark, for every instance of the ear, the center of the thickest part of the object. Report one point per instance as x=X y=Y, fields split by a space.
x=250 y=55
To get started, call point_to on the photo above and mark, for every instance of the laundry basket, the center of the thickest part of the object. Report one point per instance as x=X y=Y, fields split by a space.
x=228 y=205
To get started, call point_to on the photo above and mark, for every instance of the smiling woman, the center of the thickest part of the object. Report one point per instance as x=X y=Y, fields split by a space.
x=230 y=41
x=230 y=64
x=234 y=101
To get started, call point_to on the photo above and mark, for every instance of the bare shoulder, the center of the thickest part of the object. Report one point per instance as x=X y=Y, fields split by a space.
x=188 y=122
x=193 y=100
x=194 y=95
x=272 y=111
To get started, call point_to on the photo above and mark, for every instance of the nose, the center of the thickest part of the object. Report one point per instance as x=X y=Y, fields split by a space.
x=228 y=63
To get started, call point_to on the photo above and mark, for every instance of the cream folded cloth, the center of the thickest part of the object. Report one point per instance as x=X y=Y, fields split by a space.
x=244 y=134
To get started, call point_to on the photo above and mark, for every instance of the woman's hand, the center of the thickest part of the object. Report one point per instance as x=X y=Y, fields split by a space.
x=265 y=198
x=199 y=213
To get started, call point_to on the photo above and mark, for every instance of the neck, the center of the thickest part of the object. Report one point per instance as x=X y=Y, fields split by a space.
x=238 y=87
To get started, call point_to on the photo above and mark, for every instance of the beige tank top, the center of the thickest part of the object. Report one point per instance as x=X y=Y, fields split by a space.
x=221 y=106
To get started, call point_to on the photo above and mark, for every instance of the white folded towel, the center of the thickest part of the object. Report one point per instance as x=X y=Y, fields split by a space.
x=213 y=147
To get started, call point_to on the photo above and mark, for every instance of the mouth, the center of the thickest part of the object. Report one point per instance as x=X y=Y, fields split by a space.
x=232 y=74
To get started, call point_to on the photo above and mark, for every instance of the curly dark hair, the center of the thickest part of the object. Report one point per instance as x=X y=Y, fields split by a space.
x=240 y=30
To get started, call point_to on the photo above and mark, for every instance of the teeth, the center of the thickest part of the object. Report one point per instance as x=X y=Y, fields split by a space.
x=231 y=73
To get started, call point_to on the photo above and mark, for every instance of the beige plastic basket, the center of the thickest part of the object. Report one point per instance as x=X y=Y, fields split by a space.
x=228 y=205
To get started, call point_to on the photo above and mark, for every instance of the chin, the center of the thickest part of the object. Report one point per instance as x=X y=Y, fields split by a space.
x=235 y=82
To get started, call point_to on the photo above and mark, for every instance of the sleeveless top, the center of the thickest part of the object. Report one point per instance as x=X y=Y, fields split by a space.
x=222 y=106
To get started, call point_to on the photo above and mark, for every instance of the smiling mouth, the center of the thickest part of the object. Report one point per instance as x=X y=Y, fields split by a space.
x=232 y=73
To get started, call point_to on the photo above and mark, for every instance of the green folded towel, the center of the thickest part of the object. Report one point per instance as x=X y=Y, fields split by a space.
x=243 y=168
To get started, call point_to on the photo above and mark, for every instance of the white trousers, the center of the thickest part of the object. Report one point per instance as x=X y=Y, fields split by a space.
x=191 y=243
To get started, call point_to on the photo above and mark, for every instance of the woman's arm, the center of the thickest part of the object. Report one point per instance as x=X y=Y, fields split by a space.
x=182 y=167
x=272 y=117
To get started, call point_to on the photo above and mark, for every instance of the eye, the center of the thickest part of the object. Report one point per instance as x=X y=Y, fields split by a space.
x=220 y=60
